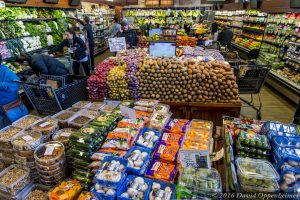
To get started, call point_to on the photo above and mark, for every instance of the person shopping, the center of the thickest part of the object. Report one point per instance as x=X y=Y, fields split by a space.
x=43 y=64
x=214 y=31
x=130 y=35
x=77 y=49
x=8 y=92
x=225 y=36
x=115 y=28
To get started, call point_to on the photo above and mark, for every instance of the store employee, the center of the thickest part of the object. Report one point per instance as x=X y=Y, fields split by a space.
x=130 y=35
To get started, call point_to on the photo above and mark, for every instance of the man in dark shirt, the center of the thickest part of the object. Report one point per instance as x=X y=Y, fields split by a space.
x=225 y=37
x=130 y=35
x=90 y=36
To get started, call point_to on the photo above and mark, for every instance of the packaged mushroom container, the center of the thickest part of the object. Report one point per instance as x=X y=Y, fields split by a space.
x=27 y=141
x=138 y=159
x=13 y=179
x=112 y=171
x=289 y=177
x=104 y=192
x=47 y=126
x=162 y=190
x=49 y=153
x=135 y=187
x=7 y=134
x=26 y=121
x=62 y=117
x=158 y=120
x=148 y=138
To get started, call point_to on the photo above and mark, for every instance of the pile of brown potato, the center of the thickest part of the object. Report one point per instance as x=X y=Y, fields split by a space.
x=169 y=79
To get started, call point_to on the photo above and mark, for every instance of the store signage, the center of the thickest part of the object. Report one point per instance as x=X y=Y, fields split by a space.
x=117 y=44
x=128 y=112
x=2 y=4
x=195 y=159
x=162 y=49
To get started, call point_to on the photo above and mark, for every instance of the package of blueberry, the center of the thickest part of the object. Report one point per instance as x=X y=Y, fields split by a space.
x=112 y=171
x=148 y=138
x=284 y=153
x=162 y=190
x=271 y=126
x=166 y=152
x=135 y=187
x=254 y=140
x=250 y=149
x=104 y=192
x=161 y=170
x=138 y=158
x=289 y=176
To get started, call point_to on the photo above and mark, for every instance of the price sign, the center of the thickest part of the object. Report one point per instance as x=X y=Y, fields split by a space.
x=162 y=49
x=128 y=112
x=195 y=159
x=2 y=4
x=117 y=44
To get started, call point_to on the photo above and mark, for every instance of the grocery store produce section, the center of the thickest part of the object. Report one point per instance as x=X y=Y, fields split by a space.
x=275 y=39
x=92 y=150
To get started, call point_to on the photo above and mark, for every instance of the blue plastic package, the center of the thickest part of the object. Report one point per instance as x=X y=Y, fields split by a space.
x=285 y=142
x=140 y=155
x=101 y=194
x=134 y=186
x=162 y=189
x=148 y=138
x=112 y=171
x=286 y=159
x=289 y=180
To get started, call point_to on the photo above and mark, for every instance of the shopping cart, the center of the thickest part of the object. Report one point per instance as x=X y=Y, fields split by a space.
x=51 y=94
x=232 y=57
x=250 y=79
x=212 y=45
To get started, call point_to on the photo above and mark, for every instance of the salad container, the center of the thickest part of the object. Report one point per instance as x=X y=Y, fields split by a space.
x=26 y=121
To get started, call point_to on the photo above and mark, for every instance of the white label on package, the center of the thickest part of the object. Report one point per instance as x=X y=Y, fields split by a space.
x=128 y=112
x=161 y=149
x=49 y=151
x=44 y=124
x=2 y=4
x=218 y=156
x=27 y=138
x=65 y=134
x=155 y=166
x=117 y=44
x=194 y=158
x=165 y=136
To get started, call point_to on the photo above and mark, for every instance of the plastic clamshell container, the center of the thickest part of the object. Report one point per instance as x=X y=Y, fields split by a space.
x=4 y=163
x=23 y=160
x=162 y=189
x=51 y=172
x=250 y=149
x=148 y=138
x=89 y=112
x=67 y=189
x=140 y=154
x=273 y=187
x=26 y=121
x=29 y=190
x=172 y=138
x=82 y=104
x=254 y=140
x=46 y=126
x=158 y=121
x=146 y=103
x=256 y=169
x=63 y=135
x=286 y=158
x=96 y=106
x=288 y=175
x=24 y=153
x=101 y=194
x=108 y=108
x=157 y=170
x=177 y=126
x=7 y=134
x=59 y=176
x=201 y=124
x=137 y=184
x=109 y=165
x=201 y=181
x=162 y=108
x=62 y=117
x=166 y=152
x=73 y=109
x=7 y=153
x=27 y=140
x=286 y=142
x=20 y=180
x=49 y=153
x=76 y=124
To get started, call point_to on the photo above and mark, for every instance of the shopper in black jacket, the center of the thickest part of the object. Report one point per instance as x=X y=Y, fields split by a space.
x=225 y=37
x=77 y=49
x=130 y=35
x=43 y=64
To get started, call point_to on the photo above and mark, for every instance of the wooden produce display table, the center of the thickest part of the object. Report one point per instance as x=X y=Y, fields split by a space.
x=206 y=111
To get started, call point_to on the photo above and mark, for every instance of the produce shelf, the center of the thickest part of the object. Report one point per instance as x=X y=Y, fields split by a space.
x=240 y=47
x=293 y=59
x=253 y=30
x=254 y=22
x=271 y=43
x=251 y=38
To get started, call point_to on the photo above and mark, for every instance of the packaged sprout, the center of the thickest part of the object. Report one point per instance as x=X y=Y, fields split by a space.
x=147 y=138
x=198 y=183
x=26 y=122
x=135 y=187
